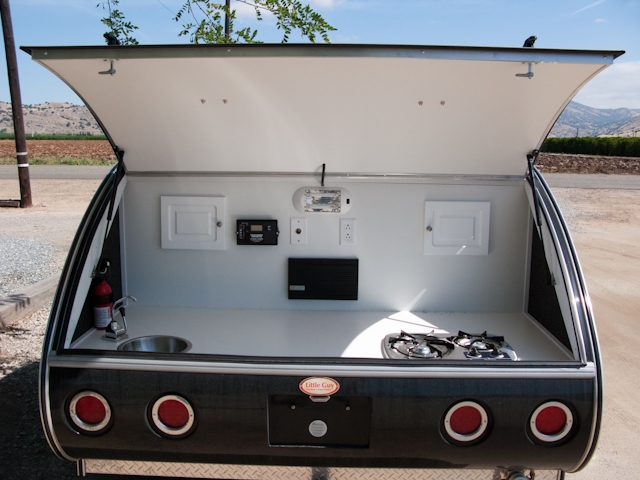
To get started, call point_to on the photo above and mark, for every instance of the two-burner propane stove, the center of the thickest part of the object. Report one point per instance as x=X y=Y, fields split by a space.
x=463 y=346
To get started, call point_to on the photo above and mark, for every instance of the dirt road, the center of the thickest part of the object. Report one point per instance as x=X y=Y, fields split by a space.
x=605 y=225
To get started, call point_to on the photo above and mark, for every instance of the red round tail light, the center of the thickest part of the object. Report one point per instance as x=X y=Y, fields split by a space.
x=466 y=421
x=551 y=421
x=172 y=415
x=89 y=411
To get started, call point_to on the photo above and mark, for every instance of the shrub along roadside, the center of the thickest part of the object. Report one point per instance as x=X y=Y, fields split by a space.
x=60 y=161
x=54 y=136
x=601 y=146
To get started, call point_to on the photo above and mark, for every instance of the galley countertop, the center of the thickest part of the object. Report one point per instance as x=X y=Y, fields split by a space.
x=297 y=333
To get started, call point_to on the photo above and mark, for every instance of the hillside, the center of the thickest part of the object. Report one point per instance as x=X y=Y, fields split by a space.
x=630 y=129
x=51 y=118
x=578 y=120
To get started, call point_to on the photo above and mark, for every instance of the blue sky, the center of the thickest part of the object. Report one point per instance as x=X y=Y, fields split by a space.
x=573 y=24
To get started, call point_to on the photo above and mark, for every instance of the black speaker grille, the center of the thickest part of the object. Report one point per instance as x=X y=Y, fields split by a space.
x=323 y=279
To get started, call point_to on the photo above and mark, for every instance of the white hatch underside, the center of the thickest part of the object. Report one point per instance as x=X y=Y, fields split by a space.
x=429 y=111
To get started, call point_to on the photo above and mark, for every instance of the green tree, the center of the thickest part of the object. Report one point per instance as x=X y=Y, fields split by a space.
x=205 y=21
x=119 y=28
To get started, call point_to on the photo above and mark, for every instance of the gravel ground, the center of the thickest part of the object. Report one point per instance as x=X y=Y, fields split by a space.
x=24 y=452
x=33 y=246
x=605 y=225
x=25 y=261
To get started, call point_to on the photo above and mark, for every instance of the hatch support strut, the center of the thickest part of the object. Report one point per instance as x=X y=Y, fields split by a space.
x=531 y=160
x=119 y=169
x=102 y=269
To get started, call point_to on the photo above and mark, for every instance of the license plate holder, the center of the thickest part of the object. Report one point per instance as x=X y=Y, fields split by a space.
x=341 y=421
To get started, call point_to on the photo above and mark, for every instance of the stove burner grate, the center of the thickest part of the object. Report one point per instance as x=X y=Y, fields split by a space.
x=479 y=341
x=426 y=346
x=420 y=345
x=483 y=345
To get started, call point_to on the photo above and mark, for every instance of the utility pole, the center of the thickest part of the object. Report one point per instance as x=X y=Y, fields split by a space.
x=226 y=20
x=16 y=104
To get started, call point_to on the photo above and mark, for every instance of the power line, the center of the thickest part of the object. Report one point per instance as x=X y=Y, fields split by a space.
x=166 y=7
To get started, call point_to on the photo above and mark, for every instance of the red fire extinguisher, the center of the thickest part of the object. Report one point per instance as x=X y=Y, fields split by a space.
x=102 y=305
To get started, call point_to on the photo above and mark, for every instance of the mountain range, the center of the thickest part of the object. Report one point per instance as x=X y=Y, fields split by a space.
x=576 y=120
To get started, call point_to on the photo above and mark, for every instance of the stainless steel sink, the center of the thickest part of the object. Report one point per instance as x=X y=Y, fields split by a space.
x=156 y=344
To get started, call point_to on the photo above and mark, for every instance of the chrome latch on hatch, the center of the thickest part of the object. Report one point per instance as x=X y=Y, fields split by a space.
x=528 y=75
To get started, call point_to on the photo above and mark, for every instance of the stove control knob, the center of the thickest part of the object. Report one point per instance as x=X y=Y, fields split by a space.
x=473 y=352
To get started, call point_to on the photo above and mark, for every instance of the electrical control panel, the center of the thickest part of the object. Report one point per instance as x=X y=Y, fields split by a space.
x=257 y=232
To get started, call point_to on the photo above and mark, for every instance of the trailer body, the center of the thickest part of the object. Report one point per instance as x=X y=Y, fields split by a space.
x=344 y=261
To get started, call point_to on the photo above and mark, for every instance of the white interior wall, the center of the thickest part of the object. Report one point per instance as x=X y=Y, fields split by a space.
x=394 y=273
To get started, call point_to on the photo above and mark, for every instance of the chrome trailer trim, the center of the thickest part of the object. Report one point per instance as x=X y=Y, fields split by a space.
x=583 y=307
x=504 y=54
x=96 y=208
x=291 y=369
x=440 y=179
x=263 y=472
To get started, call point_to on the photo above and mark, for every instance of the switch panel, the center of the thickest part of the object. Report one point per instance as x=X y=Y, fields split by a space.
x=298 y=231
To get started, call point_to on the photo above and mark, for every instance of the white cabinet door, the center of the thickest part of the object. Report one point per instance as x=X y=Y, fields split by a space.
x=193 y=223
x=456 y=228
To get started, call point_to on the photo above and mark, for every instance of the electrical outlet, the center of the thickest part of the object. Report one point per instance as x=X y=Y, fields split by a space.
x=347 y=231
x=298 y=231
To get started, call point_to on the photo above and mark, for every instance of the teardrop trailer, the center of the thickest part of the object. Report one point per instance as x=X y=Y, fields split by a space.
x=344 y=264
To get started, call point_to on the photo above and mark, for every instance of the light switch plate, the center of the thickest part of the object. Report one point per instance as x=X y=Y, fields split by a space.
x=298 y=231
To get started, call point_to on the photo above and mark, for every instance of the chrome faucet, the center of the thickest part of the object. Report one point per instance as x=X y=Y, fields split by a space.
x=115 y=331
